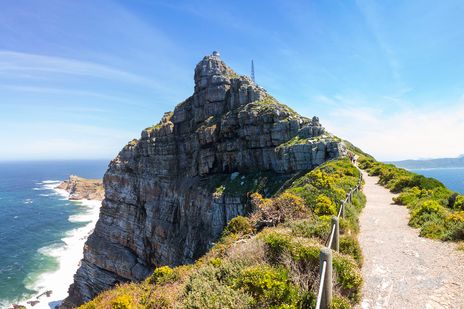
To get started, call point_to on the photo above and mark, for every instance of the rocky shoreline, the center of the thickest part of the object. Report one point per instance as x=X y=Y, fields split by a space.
x=89 y=193
x=83 y=189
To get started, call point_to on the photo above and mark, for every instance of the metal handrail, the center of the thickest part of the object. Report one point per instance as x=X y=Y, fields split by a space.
x=321 y=285
x=330 y=239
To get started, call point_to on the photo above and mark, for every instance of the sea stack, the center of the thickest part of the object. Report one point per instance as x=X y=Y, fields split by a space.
x=169 y=194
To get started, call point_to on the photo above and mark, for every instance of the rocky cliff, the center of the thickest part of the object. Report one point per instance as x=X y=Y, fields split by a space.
x=83 y=189
x=169 y=194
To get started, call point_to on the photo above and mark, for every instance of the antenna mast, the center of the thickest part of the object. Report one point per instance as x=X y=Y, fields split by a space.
x=253 y=71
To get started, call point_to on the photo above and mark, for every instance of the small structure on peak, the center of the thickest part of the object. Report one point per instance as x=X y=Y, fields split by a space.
x=216 y=54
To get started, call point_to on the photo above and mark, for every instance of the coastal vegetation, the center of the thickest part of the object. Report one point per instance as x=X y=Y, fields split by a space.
x=269 y=259
x=437 y=211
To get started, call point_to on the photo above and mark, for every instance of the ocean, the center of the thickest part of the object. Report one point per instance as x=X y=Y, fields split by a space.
x=41 y=232
x=453 y=178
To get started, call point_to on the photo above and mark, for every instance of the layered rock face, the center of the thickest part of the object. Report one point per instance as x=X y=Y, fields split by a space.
x=169 y=195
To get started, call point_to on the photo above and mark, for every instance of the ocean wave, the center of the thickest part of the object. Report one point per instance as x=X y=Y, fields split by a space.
x=68 y=252
x=50 y=181
x=48 y=194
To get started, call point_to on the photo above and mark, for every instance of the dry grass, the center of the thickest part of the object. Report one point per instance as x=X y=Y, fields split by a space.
x=460 y=246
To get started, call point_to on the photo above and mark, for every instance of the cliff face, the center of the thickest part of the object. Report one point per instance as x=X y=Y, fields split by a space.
x=83 y=189
x=169 y=194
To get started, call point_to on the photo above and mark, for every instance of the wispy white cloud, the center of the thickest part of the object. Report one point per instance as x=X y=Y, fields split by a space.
x=14 y=62
x=411 y=132
x=69 y=93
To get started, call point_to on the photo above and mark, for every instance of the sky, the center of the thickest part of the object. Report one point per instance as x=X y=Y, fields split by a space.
x=79 y=79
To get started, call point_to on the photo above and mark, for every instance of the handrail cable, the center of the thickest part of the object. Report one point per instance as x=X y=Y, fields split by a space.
x=321 y=285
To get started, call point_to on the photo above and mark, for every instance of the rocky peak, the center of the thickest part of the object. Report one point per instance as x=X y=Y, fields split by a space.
x=212 y=71
x=169 y=194
x=218 y=89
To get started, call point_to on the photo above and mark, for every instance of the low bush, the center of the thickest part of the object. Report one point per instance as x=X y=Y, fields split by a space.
x=349 y=278
x=433 y=228
x=340 y=302
x=161 y=275
x=427 y=210
x=332 y=180
x=349 y=245
x=270 y=287
x=273 y=211
x=318 y=228
x=239 y=225
x=207 y=289
x=122 y=302
x=324 y=206
x=459 y=202
x=303 y=258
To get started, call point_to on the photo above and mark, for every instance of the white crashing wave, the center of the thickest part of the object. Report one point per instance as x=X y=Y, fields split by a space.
x=68 y=253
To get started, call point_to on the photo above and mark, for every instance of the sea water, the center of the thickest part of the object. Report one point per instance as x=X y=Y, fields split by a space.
x=453 y=178
x=41 y=232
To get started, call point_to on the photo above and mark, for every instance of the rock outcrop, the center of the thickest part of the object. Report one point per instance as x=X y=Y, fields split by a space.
x=83 y=189
x=169 y=194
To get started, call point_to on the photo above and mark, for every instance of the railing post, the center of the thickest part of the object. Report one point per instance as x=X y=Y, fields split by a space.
x=342 y=209
x=336 y=237
x=326 y=255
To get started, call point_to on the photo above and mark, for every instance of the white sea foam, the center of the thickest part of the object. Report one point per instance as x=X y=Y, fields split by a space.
x=48 y=194
x=50 y=182
x=68 y=253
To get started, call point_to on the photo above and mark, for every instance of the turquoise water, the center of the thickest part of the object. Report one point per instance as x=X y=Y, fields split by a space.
x=453 y=178
x=34 y=219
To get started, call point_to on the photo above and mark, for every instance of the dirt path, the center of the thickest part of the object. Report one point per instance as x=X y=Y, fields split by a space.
x=402 y=270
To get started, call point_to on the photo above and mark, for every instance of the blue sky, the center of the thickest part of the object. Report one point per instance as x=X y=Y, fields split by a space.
x=78 y=79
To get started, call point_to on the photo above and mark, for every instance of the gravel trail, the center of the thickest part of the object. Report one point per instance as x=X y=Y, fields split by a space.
x=402 y=270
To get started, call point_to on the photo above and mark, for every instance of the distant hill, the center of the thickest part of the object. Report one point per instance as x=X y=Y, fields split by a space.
x=431 y=163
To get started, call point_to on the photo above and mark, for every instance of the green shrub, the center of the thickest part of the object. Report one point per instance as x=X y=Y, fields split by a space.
x=401 y=183
x=426 y=183
x=270 y=212
x=349 y=279
x=269 y=286
x=207 y=288
x=276 y=244
x=409 y=196
x=427 y=210
x=433 y=229
x=332 y=179
x=305 y=256
x=89 y=305
x=339 y=302
x=122 y=302
x=319 y=228
x=239 y=225
x=324 y=206
x=349 y=245
x=455 y=226
x=459 y=202
x=162 y=275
